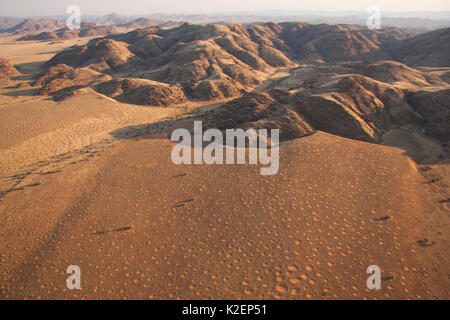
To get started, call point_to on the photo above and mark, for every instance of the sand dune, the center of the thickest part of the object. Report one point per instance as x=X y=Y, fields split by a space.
x=35 y=129
x=142 y=228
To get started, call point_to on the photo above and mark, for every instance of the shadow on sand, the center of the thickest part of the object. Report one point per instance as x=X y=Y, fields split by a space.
x=29 y=68
x=164 y=130
x=22 y=93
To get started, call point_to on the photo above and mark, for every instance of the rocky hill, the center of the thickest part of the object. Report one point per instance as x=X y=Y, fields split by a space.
x=428 y=49
x=142 y=92
x=7 y=70
x=142 y=23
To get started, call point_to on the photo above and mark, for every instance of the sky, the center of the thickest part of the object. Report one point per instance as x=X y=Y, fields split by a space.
x=22 y=8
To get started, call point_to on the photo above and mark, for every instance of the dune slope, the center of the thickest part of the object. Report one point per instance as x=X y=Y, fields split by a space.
x=140 y=227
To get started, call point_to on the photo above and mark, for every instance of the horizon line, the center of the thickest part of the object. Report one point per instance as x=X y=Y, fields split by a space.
x=256 y=13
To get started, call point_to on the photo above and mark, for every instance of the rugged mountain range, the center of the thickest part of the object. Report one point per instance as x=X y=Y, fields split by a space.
x=9 y=22
x=414 y=22
x=87 y=30
x=90 y=29
x=295 y=76
x=215 y=61
x=55 y=29
x=31 y=26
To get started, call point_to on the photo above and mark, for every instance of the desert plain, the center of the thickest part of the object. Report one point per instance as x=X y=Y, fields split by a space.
x=86 y=179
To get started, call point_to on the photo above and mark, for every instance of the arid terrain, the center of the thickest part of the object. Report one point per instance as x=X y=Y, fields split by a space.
x=86 y=176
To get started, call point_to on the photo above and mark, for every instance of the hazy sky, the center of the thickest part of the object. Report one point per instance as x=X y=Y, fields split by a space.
x=58 y=7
